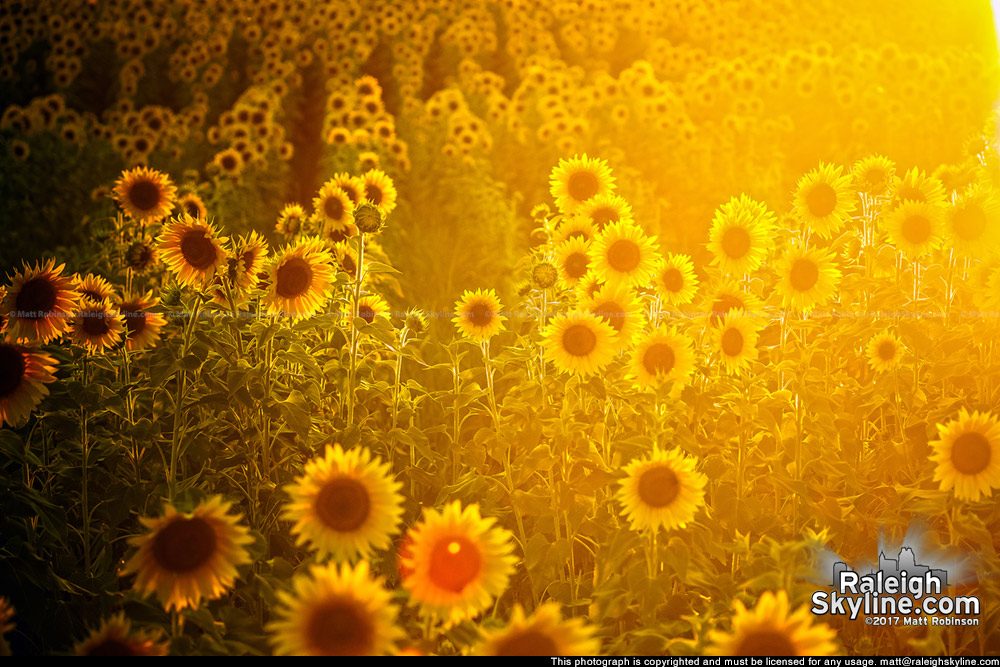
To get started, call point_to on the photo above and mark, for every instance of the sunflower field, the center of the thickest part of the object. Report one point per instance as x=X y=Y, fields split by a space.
x=495 y=327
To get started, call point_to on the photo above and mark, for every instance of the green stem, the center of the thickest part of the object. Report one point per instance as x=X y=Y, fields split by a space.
x=175 y=439
x=84 y=484
x=352 y=373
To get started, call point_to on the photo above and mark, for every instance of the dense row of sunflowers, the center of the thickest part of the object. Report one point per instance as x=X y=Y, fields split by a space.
x=606 y=323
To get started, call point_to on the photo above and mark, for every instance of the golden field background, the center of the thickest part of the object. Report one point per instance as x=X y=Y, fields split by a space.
x=181 y=158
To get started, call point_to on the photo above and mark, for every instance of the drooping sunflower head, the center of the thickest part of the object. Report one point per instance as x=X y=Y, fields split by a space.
x=477 y=314
x=824 y=199
x=807 y=279
x=457 y=562
x=576 y=180
x=675 y=280
x=141 y=255
x=379 y=190
x=741 y=235
x=40 y=303
x=580 y=342
x=291 y=221
x=115 y=637
x=874 y=175
x=618 y=305
x=145 y=194
x=97 y=326
x=604 y=209
x=185 y=557
x=736 y=340
x=885 y=352
x=915 y=227
x=662 y=490
x=142 y=326
x=967 y=454
x=543 y=633
x=192 y=204
x=300 y=279
x=973 y=222
x=623 y=253
x=335 y=611
x=664 y=355
x=192 y=249
x=770 y=629
x=346 y=504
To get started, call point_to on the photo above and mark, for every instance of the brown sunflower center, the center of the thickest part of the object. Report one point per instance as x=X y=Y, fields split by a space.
x=821 y=200
x=732 y=342
x=340 y=626
x=184 y=545
x=659 y=358
x=135 y=320
x=198 y=250
x=293 y=278
x=804 y=275
x=723 y=305
x=623 y=256
x=366 y=312
x=95 y=323
x=576 y=265
x=192 y=209
x=527 y=642
x=140 y=256
x=333 y=208
x=144 y=195
x=350 y=191
x=736 y=242
x=110 y=647
x=579 y=340
x=916 y=229
x=603 y=215
x=229 y=162
x=659 y=486
x=612 y=313
x=971 y=453
x=343 y=504
x=480 y=315
x=12 y=369
x=455 y=563
x=886 y=350
x=582 y=185
x=36 y=298
x=766 y=642
x=373 y=193
x=969 y=223
x=673 y=281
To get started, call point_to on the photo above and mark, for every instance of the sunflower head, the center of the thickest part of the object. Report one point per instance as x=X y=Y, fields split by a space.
x=915 y=227
x=142 y=326
x=140 y=255
x=300 y=279
x=575 y=181
x=477 y=314
x=973 y=221
x=662 y=490
x=543 y=633
x=192 y=204
x=623 y=253
x=369 y=218
x=145 y=194
x=770 y=629
x=917 y=186
x=824 y=199
x=661 y=356
x=874 y=175
x=40 y=302
x=604 y=209
x=372 y=306
x=580 y=342
x=807 y=279
x=291 y=221
x=115 y=637
x=885 y=351
x=379 y=190
x=192 y=250
x=741 y=235
x=544 y=275
x=416 y=321
x=97 y=326
x=736 y=340
x=675 y=280
x=967 y=454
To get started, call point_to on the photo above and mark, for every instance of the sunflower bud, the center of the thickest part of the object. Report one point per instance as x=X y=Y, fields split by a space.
x=544 y=275
x=368 y=218
x=416 y=321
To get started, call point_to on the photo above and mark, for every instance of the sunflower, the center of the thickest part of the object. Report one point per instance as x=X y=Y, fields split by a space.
x=300 y=280
x=353 y=186
x=824 y=199
x=604 y=209
x=623 y=253
x=662 y=355
x=142 y=327
x=572 y=261
x=371 y=306
x=973 y=221
x=457 y=562
x=379 y=190
x=662 y=490
x=346 y=256
x=335 y=611
x=967 y=454
x=191 y=249
x=736 y=340
x=6 y=625
x=770 y=630
x=885 y=352
x=674 y=279
x=24 y=372
x=141 y=255
x=229 y=161
x=145 y=194
x=334 y=212
x=874 y=175
x=543 y=633
x=915 y=227
x=617 y=305
x=807 y=279
x=192 y=204
x=291 y=221
x=575 y=181
x=741 y=235
x=95 y=288
x=40 y=302
x=917 y=186
x=580 y=342
x=477 y=314
x=189 y=556
x=729 y=296
x=115 y=637
x=589 y=285
x=243 y=268
x=572 y=227
x=97 y=326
